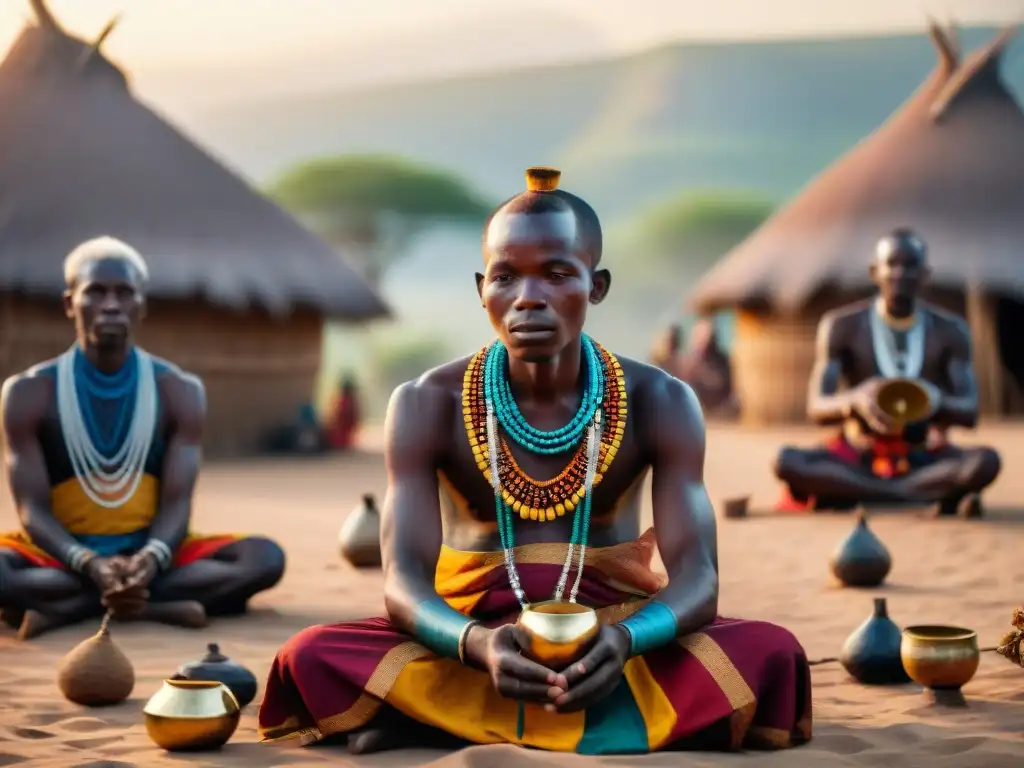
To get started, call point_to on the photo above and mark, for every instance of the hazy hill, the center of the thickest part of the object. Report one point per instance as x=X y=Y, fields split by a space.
x=763 y=117
x=759 y=115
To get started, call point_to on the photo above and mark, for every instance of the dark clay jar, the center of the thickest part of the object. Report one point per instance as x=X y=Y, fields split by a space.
x=219 y=668
x=861 y=559
x=871 y=654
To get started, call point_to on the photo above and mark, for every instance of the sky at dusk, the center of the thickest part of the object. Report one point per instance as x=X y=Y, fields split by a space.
x=166 y=35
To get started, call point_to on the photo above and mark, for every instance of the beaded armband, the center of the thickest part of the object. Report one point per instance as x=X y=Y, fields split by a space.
x=77 y=557
x=160 y=552
x=442 y=629
x=651 y=627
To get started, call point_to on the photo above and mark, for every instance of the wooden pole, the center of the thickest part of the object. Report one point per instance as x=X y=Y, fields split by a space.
x=981 y=312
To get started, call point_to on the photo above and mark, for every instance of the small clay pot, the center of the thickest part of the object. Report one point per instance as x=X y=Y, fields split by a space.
x=871 y=654
x=861 y=560
x=216 y=667
x=359 y=538
x=736 y=507
x=96 y=673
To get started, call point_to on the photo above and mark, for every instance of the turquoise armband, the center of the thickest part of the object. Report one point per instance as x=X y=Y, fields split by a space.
x=651 y=627
x=440 y=627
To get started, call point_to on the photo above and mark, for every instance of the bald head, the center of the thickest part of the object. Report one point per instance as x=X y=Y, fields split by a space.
x=544 y=215
x=901 y=242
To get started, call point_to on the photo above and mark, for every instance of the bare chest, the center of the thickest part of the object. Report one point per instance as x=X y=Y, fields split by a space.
x=869 y=355
x=533 y=485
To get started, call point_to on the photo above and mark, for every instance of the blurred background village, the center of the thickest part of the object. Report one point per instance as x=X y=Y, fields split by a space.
x=312 y=215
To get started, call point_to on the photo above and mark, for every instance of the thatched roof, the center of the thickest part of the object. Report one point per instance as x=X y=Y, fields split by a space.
x=949 y=163
x=81 y=157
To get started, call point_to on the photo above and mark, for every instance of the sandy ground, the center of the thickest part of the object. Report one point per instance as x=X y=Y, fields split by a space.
x=773 y=568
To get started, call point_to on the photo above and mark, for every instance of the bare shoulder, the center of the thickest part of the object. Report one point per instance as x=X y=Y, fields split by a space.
x=662 y=402
x=953 y=328
x=183 y=391
x=843 y=320
x=420 y=411
x=26 y=396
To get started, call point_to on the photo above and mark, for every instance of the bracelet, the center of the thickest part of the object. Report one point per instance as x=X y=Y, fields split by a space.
x=77 y=557
x=651 y=627
x=160 y=552
x=440 y=627
x=463 y=636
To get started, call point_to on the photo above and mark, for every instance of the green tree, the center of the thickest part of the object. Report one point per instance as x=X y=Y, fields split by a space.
x=691 y=230
x=375 y=205
x=398 y=358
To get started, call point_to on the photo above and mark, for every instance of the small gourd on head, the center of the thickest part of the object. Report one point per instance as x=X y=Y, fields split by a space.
x=542 y=179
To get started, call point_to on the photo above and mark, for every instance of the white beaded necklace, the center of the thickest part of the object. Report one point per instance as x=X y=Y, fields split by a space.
x=891 y=361
x=593 y=453
x=109 y=481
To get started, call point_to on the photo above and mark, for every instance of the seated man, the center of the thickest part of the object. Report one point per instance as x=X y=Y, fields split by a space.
x=473 y=529
x=103 y=451
x=864 y=346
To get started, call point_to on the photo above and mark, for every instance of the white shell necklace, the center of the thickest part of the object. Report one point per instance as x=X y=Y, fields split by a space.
x=109 y=481
x=893 y=362
x=593 y=454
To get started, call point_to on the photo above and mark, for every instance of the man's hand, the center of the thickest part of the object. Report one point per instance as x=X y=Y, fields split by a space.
x=513 y=675
x=122 y=599
x=595 y=675
x=105 y=573
x=865 y=403
x=140 y=569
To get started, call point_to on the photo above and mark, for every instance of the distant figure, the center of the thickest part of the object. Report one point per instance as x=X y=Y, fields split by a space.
x=668 y=348
x=706 y=368
x=345 y=416
x=103 y=450
x=304 y=436
x=865 y=346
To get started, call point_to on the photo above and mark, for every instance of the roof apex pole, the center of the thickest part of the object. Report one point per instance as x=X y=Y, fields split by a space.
x=94 y=49
x=985 y=60
x=44 y=16
x=946 y=43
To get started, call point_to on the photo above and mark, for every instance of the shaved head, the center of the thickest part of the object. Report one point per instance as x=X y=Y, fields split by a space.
x=544 y=214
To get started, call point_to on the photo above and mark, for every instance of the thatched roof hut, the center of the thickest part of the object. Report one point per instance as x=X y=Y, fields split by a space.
x=950 y=164
x=239 y=288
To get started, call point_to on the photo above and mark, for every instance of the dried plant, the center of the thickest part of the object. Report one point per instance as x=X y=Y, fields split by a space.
x=1009 y=646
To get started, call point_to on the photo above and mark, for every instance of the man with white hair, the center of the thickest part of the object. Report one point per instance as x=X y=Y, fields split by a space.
x=103 y=452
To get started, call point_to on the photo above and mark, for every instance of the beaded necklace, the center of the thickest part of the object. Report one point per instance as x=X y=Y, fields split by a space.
x=109 y=475
x=596 y=431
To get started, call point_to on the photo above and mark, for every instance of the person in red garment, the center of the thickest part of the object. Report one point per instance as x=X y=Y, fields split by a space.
x=516 y=475
x=103 y=447
x=346 y=416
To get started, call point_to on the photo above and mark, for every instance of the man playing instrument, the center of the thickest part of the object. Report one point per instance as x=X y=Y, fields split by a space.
x=102 y=453
x=863 y=346
x=515 y=476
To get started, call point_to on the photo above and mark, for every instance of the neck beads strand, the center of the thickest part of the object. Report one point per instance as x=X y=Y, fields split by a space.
x=595 y=432
x=109 y=467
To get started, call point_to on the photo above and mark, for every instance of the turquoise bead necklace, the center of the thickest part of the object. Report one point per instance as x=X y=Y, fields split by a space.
x=498 y=390
x=586 y=424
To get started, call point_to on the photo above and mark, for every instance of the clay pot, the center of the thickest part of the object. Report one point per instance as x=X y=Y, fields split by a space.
x=96 y=673
x=215 y=667
x=735 y=508
x=861 y=560
x=871 y=654
x=359 y=538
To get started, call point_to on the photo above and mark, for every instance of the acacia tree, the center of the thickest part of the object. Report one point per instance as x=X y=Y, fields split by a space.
x=373 y=206
x=694 y=229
